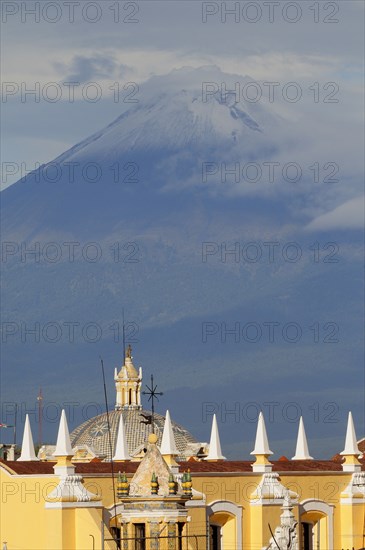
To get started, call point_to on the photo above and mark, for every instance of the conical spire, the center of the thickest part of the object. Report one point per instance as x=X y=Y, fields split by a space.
x=351 y=447
x=301 y=451
x=63 y=446
x=215 y=451
x=27 y=444
x=261 y=442
x=168 y=445
x=121 y=450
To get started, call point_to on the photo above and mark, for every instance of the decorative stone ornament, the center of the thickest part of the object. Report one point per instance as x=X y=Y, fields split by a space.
x=285 y=536
x=270 y=490
x=122 y=485
x=187 y=484
x=172 y=485
x=355 y=490
x=154 y=484
x=71 y=489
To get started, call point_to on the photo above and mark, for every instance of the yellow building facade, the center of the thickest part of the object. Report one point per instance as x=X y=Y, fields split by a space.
x=157 y=501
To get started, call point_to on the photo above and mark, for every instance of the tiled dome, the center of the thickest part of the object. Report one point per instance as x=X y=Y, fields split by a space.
x=94 y=433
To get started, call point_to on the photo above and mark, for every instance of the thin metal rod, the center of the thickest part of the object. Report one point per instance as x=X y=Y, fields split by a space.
x=273 y=536
x=110 y=440
x=153 y=394
x=15 y=420
x=40 y=413
x=152 y=407
x=123 y=334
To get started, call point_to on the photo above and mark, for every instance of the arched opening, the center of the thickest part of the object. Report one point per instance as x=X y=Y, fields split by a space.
x=316 y=525
x=225 y=525
x=222 y=531
x=130 y=397
x=115 y=531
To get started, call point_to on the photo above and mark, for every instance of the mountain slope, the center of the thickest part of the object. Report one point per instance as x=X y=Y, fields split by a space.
x=147 y=227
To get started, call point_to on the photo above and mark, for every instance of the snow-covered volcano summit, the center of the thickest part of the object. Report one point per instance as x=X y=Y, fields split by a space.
x=184 y=109
x=178 y=122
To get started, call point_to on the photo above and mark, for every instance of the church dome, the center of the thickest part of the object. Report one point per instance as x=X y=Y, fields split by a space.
x=137 y=422
x=94 y=433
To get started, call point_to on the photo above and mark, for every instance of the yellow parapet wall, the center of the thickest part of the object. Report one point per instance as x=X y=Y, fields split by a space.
x=226 y=496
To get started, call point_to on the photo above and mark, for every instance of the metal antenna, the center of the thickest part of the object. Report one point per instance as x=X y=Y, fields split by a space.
x=110 y=441
x=273 y=537
x=40 y=399
x=123 y=334
x=15 y=421
x=153 y=394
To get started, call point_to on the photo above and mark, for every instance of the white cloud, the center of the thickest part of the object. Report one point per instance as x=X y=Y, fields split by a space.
x=349 y=215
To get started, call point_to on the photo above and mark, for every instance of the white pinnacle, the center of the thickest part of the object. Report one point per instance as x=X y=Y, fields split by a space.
x=27 y=444
x=121 y=450
x=215 y=451
x=351 y=447
x=301 y=451
x=63 y=446
x=261 y=442
x=168 y=445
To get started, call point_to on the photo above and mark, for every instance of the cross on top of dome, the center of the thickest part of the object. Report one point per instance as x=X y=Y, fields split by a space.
x=153 y=394
x=129 y=352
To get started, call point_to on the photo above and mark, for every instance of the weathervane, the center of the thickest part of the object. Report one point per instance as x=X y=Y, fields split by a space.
x=153 y=394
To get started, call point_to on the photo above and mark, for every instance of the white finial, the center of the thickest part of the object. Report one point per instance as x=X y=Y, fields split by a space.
x=27 y=444
x=63 y=446
x=168 y=445
x=215 y=451
x=301 y=451
x=121 y=449
x=351 y=447
x=261 y=442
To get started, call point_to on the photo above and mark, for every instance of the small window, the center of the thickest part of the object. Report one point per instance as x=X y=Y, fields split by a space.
x=215 y=537
x=140 y=536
